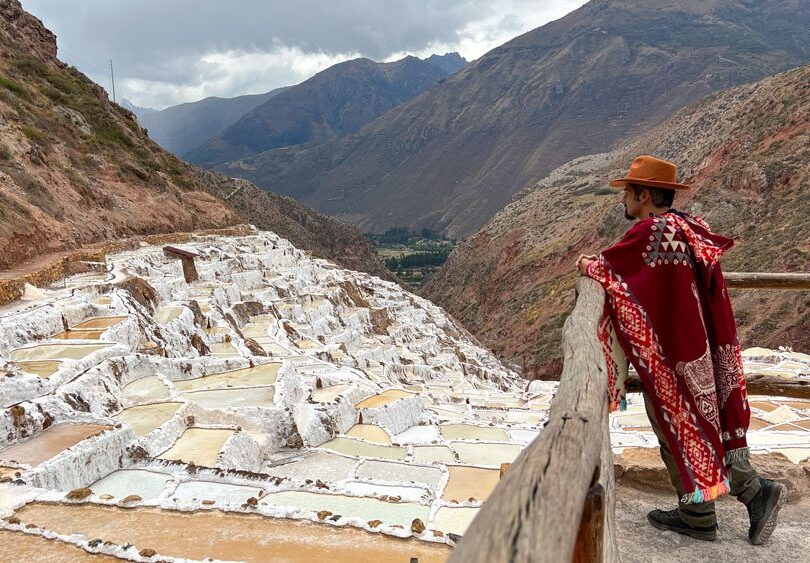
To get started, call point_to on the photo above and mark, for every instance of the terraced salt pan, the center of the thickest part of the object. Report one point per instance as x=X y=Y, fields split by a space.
x=423 y=434
x=232 y=398
x=486 y=455
x=49 y=443
x=124 y=482
x=315 y=465
x=223 y=349
x=219 y=492
x=165 y=315
x=454 y=520
x=399 y=473
x=262 y=374
x=369 y=433
x=384 y=398
x=57 y=351
x=200 y=445
x=365 y=508
x=88 y=334
x=99 y=322
x=18 y=546
x=145 y=418
x=404 y=494
x=228 y=536
x=470 y=482
x=328 y=394
x=40 y=368
x=472 y=432
x=433 y=454
x=146 y=389
x=352 y=447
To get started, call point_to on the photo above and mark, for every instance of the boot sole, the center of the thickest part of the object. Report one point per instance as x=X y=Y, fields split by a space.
x=696 y=534
x=769 y=524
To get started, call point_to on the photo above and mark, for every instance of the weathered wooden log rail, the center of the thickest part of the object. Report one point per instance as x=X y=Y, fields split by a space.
x=556 y=502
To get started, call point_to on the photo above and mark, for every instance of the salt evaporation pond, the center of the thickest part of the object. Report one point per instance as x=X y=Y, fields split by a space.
x=370 y=433
x=218 y=492
x=328 y=394
x=149 y=388
x=262 y=374
x=365 y=508
x=228 y=536
x=470 y=482
x=40 y=368
x=433 y=454
x=166 y=315
x=230 y=398
x=57 y=351
x=125 y=482
x=318 y=464
x=454 y=520
x=25 y=547
x=198 y=445
x=485 y=454
x=50 y=442
x=384 y=398
x=472 y=432
x=352 y=447
x=145 y=418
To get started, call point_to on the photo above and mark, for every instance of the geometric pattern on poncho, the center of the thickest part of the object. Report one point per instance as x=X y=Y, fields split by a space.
x=701 y=459
x=663 y=248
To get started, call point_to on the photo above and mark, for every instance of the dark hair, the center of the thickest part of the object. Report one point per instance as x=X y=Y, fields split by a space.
x=661 y=197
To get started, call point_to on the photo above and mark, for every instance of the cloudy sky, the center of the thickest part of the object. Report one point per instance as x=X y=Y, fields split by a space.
x=167 y=52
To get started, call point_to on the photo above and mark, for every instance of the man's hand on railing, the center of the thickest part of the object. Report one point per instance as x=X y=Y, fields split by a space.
x=584 y=261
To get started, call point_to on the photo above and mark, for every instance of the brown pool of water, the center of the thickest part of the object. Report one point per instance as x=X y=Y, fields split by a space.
x=41 y=368
x=99 y=322
x=228 y=536
x=56 y=351
x=17 y=546
x=384 y=398
x=263 y=374
x=200 y=445
x=466 y=482
x=145 y=418
x=50 y=442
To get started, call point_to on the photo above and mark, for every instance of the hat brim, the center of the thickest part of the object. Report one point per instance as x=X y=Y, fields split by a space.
x=621 y=182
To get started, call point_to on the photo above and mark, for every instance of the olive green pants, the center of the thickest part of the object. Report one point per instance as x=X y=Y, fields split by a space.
x=743 y=479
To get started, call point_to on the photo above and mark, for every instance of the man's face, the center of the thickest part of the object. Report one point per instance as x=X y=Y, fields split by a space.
x=632 y=205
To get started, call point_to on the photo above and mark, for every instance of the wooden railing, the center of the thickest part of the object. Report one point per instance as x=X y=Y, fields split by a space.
x=557 y=501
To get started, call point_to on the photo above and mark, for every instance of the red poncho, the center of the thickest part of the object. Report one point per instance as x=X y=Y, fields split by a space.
x=667 y=300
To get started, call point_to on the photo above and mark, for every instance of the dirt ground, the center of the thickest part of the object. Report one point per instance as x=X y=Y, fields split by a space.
x=640 y=542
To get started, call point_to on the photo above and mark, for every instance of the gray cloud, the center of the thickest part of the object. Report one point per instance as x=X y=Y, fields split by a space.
x=170 y=51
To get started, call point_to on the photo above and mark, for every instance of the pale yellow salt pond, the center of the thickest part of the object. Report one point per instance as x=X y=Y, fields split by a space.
x=470 y=482
x=146 y=389
x=99 y=322
x=223 y=349
x=384 y=398
x=87 y=334
x=227 y=536
x=40 y=368
x=166 y=315
x=472 y=432
x=262 y=374
x=352 y=447
x=370 y=433
x=200 y=445
x=328 y=394
x=49 y=443
x=485 y=454
x=232 y=398
x=18 y=546
x=145 y=418
x=454 y=520
x=401 y=513
x=57 y=351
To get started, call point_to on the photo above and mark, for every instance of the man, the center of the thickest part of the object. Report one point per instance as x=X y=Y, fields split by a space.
x=669 y=310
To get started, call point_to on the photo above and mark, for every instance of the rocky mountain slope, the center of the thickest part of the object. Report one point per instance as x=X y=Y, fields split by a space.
x=77 y=169
x=745 y=151
x=455 y=155
x=184 y=127
x=333 y=103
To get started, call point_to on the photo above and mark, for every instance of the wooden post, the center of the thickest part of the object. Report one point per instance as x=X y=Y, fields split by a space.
x=588 y=547
x=536 y=509
x=767 y=280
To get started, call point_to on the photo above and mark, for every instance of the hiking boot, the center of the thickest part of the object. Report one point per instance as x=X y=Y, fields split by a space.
x=669 y=520
x=763 y=509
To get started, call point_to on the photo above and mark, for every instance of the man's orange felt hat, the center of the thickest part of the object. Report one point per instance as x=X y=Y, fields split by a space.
x=652 y=172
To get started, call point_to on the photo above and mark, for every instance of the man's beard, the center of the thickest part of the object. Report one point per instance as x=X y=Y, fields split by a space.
x=627 y=215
